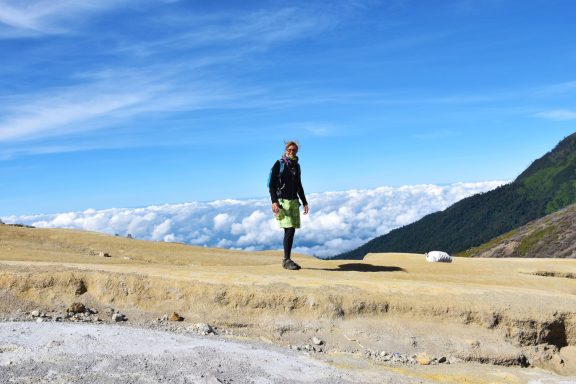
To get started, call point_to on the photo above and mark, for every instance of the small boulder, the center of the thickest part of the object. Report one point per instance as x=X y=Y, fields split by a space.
x=438 y=257
x=118 y=317
x=423 y=359
x=77 y=308
x=454 y=360
x=317 y=341
x=175 y=317
x=204 y=329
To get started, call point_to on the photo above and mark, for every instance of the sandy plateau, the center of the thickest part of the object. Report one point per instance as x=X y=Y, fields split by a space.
x=469 y=321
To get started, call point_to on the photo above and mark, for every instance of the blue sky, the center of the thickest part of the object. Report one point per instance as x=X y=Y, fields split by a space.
x=119 y=103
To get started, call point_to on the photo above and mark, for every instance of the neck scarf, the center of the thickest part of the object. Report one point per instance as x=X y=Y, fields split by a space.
x=290 y=162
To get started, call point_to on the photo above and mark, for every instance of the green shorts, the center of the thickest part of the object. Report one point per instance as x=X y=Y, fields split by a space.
x=289 y=215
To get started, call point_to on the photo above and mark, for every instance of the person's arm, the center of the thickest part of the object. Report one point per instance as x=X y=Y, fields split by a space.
x=302 y=196
x=274 y=186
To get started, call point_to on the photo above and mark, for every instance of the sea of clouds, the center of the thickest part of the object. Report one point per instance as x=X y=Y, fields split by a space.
x=338 y=221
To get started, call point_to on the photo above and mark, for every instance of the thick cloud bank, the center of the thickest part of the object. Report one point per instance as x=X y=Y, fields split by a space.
x=338 y=221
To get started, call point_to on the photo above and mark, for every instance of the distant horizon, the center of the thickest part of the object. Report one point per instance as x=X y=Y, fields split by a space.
x=338 y=220
x=125 y=103
x=26 y=213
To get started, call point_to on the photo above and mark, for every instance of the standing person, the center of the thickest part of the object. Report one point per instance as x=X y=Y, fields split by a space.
x=285 y=190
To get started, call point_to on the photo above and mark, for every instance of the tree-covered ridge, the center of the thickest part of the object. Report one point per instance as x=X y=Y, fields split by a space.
x=546 y=186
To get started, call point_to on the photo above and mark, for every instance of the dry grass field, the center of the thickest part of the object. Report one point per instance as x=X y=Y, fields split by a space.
x=495 y=313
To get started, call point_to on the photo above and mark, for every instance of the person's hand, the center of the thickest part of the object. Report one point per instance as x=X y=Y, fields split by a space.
x=275 y=208
x=305 y=209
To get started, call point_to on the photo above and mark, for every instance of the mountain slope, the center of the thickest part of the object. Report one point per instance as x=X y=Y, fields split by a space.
x=553 y=235
x=548 y=185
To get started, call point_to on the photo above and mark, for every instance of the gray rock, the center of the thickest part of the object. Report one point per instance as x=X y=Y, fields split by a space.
x=35 y=313
x=317 y=341
x=117 y=317
x=77 y=308
x=204 y=329
x=454 y=360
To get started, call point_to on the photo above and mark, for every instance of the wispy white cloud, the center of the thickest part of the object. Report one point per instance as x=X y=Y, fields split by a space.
x=100 y=96
x=136 y=88
x=233 y=34
x=48 y=17
x=106 y=98
x=558 y=114
x=262 y=26
x=53 y=118
x=338 y=221
x=314 y=128
x=567 y=87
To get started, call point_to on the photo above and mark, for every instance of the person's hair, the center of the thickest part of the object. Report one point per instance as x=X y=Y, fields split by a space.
x=291 y=142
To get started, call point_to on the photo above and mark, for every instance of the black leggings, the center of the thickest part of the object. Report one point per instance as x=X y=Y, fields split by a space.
x=288 y=240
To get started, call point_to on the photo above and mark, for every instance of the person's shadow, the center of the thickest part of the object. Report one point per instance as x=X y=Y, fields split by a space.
x=361 y=267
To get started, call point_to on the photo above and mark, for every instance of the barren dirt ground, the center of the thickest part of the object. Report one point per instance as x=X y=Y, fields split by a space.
x=473 y=320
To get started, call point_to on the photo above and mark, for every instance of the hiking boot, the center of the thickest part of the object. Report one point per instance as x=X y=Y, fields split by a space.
x=289 y=264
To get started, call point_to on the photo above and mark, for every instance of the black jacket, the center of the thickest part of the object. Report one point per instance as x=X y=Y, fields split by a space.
x=288 y=185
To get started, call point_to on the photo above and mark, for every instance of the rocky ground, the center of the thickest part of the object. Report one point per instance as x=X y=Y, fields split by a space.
x=81 y=351
x=390 y=318
x=88 y=353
